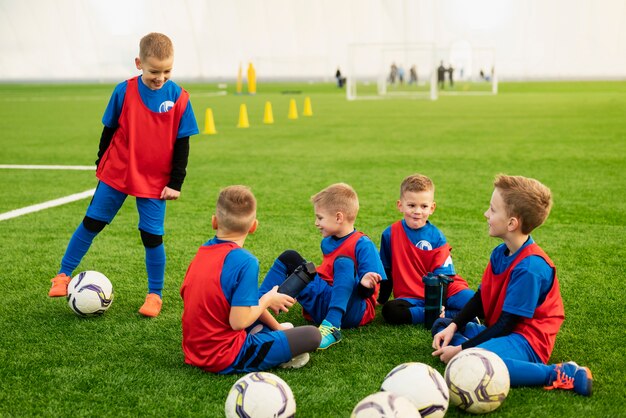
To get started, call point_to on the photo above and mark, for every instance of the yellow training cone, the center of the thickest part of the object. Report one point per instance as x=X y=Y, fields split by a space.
x=243 y=117
x=268 y=116
x=293 y=110
x=308 y=111
x=251 y=79
x=209 y=123
x=239 y=81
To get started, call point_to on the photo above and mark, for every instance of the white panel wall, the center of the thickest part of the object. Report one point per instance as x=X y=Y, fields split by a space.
x=98 y=39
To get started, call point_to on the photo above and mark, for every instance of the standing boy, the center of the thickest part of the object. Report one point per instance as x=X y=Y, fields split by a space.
x=343 y=292
x=221 y=303
x=519 y=296
x=410 y=249
x=143 y=153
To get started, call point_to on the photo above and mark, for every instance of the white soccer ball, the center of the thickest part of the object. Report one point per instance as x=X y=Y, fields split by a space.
x=478 y=380
x=422 y=385
x=260 y=395
x=385 y=405
x=89 y=293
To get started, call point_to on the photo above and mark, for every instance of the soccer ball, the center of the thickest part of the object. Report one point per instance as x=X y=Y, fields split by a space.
x=385 y=405
x=478 y=380
x=422 y=385
x=260 y=395
x=89 y=293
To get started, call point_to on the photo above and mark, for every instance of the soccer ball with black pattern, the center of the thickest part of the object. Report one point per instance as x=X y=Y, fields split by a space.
x=89 y=293
x=385 y=405
x=260 y=395
x=420 y=384
x=478 y=380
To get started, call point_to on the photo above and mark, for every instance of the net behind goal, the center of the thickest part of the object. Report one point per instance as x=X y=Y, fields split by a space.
x=386 y=70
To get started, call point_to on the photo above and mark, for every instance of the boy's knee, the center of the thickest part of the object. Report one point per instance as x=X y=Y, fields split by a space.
x=397 y=312
x=150 y=240
x=291 y=259
x=93 y=225
x=344 y=266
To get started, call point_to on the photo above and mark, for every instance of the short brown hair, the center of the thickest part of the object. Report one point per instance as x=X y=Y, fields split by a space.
x=236 y=209
x=338 y=197
x=155 y=45
x=416 y=183
x=526 y=199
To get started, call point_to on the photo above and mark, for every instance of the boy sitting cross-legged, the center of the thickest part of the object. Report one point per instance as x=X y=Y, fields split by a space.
x=343 y=292
x=221 y=303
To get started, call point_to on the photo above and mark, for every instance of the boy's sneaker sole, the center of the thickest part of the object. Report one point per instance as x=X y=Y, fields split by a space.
x=296 y=362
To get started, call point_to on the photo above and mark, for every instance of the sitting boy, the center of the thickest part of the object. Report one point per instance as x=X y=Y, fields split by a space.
x=411 y=248
x=519 y=296
x=220 y=297
x=343 y=292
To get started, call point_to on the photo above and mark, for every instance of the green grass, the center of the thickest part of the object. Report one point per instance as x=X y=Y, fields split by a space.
x=571 y=136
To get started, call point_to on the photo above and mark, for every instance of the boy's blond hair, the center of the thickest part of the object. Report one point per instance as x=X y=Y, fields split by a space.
x=526 y=199
x=155 y=45
x=416 y=183
x=236 y=209
x=338 y=197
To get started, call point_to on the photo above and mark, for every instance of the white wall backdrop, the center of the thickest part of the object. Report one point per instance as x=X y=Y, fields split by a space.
x=58 y=40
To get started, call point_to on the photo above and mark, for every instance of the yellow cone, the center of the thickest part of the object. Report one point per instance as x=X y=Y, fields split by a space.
x=209 y=123
x=293 y=110
x=268 y=116
x=251 y=79
x=239 y=81
x=243 y=117
x=308 y=111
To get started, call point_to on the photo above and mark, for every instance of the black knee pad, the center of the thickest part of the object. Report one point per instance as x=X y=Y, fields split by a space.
x=93 y=225
x=397 y=312
x=150 y=240
x=291 y=259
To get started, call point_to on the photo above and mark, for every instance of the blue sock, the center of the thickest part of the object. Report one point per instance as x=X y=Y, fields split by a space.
x=76 y=249
x=525 y=373
x=417 y=314
x=344 y=283
x=155 y=266
x=274 y=277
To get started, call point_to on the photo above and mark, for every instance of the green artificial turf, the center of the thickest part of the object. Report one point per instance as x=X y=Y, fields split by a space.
x=571 y=136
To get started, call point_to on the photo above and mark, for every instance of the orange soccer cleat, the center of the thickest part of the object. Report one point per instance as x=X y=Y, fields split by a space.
x=152 y=306
x=59 y=285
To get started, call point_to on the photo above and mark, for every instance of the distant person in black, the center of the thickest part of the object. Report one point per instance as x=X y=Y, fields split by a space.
x=340 y=80
x=441 y=73
x=413 y=75
x=450 y=72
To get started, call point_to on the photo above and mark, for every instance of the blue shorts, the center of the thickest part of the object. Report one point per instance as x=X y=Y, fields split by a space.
x=261 y=351
x=107 y=201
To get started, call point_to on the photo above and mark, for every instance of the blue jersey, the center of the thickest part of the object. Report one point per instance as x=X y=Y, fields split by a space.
x=240 y=276
x=367 y=259
x=425 y=238
x=158 y=101
x=530 y=282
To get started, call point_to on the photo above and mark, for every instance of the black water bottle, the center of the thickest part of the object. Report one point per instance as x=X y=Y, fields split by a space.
x=435 y=289
x=298 y=280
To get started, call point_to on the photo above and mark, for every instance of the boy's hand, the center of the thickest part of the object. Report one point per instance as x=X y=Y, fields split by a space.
x=370 y=279
x=169 y=194
x=446 y=353
x=443 y=337
x=279 y=302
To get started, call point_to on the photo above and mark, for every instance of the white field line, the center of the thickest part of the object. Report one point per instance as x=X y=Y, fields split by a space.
x=48 y=167
x=46 y=205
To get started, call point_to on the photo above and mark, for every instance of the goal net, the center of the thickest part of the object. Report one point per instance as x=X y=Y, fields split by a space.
x=377 y=71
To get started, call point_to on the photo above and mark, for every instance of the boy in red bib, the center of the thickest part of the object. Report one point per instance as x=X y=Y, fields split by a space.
x=343 y=292
x=144 y=149
x=226 y=326
x=519 y=296
x=410 y=249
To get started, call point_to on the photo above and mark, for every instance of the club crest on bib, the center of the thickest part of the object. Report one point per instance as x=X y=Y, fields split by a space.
x=424 y=245
x=166 y=106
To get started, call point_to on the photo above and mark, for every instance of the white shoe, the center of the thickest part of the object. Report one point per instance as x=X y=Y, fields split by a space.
x=296 y=362
x=287 y=325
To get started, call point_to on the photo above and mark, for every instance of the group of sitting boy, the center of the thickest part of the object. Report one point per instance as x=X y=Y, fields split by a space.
x=227 y=324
